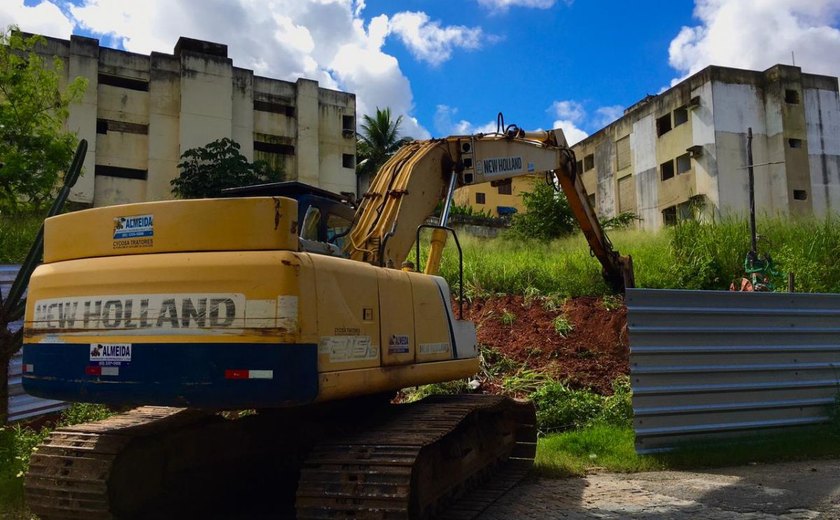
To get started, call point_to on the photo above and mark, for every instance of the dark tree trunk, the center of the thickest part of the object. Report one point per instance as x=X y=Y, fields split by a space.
x=6 y=346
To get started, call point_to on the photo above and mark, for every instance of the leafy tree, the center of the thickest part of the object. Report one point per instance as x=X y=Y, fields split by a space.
x=547 y=215
x=207 y=170
x=34 y=147
x=378 y=140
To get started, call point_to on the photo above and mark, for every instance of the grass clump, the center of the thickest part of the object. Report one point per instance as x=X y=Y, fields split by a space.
x=508 y=318
x=562 y=325
x=598 y=445
x=560 y=407
x=17 y=444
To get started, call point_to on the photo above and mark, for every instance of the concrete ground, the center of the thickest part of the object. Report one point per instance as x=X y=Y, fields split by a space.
x=798 y=490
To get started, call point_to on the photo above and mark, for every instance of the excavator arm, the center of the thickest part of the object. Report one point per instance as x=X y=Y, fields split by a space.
x=413 y=181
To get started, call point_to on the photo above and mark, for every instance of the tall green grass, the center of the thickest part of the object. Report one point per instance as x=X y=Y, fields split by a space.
x=688 y=256
x=611 y=447
x=16 y=235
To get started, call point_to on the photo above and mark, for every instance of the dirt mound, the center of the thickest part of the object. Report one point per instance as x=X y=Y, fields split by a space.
x=590 y=355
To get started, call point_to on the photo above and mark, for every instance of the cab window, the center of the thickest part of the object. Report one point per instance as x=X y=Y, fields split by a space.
x=337 y=229
x=309 y=229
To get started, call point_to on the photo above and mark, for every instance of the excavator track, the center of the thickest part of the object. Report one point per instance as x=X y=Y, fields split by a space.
x=423 y=460
x=69 y=474
x=418 y=460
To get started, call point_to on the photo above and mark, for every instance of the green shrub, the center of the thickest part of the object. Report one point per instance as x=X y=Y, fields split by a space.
x=561 y=408
x=617 y=409
x=547 y=214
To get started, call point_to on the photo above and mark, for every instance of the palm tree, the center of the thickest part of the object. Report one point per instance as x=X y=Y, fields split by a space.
x=378 y=140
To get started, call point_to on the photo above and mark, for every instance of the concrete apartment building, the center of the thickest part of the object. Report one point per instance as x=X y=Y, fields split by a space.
x=683 y=153
x=140 y=113
x=496 y=201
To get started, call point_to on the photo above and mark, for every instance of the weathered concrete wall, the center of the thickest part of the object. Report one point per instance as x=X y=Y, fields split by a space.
x=643 y=143
x=705 y=164
x=82 y=60
x=333 y=143
x=822 y=113
x=164 y=124
x=308 y=151
x=148 y=110
x=605 y=175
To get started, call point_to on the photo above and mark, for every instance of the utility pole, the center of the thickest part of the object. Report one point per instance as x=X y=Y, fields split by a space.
x=753 y=246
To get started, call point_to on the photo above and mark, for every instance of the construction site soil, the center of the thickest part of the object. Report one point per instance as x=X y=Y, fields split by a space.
x=590 y=350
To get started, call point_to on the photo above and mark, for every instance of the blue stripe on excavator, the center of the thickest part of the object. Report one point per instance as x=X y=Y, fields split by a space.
x=203 y=375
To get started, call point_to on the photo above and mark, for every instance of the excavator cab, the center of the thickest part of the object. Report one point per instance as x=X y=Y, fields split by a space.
x=323 y=216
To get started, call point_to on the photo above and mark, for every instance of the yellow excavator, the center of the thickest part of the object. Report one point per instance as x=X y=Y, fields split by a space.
x=281 y=300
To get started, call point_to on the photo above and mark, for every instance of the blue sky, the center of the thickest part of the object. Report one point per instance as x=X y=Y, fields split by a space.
x=450 y=66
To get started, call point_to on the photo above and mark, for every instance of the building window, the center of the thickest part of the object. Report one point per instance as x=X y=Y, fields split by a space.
x=591 y=200
x=800 y=195
x=348 y=160
x=118 y=171
x=667 y=170
x=680 y=116
x=588 y=162
x=273 y=149
x=795 y=143
x=685 y=211
x=669 y=216
x=274 y=107
x=626 y=194
x=506 y=188
x=103 y=126
x=119 y=81
x=479 y=198
x=580 y=166
x=622 y=153
x=348 y=126
x=792 y=97
x=663 y=124
x=683 y=163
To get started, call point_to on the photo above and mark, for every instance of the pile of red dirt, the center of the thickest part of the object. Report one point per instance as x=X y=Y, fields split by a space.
x=593 y=354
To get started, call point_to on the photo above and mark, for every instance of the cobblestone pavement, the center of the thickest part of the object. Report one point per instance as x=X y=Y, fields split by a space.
x=791 y=491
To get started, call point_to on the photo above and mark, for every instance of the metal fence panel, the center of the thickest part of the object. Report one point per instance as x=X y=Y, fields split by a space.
x=712 y=364
x=21 y=404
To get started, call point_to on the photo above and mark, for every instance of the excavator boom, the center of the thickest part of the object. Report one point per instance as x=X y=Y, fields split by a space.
x=421 y=174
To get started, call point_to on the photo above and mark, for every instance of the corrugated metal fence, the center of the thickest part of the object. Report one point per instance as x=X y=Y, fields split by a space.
x=21 y=405
x=710 y=364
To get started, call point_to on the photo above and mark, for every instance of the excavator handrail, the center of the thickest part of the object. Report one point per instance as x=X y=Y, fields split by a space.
x=460 y=261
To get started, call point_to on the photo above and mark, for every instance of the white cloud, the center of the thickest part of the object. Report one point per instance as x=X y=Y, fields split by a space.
x=430 y=42
x=503 y=5
x=757 y=34
x=606 y=115
x=569 y=115
x=568 y=110
x=325 y=40
x=43 y=18
x=445 y=123
x=573 y=134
